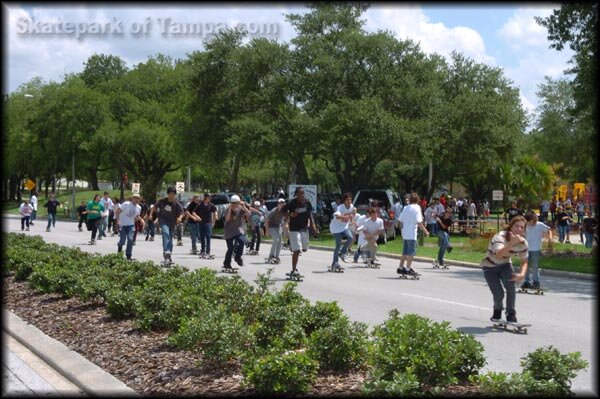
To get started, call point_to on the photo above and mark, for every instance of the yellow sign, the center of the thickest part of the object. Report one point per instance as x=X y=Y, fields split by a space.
x=29 y=184
x=562 y=192
x=578 y=190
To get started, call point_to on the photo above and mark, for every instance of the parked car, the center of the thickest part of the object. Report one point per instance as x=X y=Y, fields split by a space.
x=385 y=197
x=221 y=202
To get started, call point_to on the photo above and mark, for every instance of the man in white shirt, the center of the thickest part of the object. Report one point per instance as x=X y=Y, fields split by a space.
x=410 y=218
x=534 y=233
x=34 y=204
x=339 y=227
x=372 y=229
x=108 y=206
x=126 y=216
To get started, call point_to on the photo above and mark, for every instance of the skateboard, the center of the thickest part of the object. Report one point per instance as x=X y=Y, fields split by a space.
x=166 y=263
x=412 y=276
x=438 y=266
x=272 y=261
x=92 y=242
x=512 y=327
x=252 y=252
x=535 y=291
x=372 y=265
x=207 y=256
x=231 y=270
x=335 y=270
x=193 y=252
x=294 y=277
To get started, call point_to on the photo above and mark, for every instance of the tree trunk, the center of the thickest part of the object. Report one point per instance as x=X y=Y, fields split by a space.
x=301 y=172
x=93 y=176
x=233 y=182
x=347 y=186
x=13 y=187
x=53 y=183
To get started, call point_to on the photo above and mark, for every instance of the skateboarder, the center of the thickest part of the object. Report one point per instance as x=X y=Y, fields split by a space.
x=126 y=216
x=444 y=222
x=372 y=229
x=170 y=213
x=497 y=267
x=94 y=210
x=534 y=234
x=299 y=211
x=274 y=221
x=411 y=218
x=234 y=231
x=207 y=212
x=339 y=227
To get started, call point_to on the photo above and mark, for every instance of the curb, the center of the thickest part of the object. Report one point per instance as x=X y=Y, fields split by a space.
x=87 y=376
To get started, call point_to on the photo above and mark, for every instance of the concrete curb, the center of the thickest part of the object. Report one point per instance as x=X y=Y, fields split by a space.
x=87 y=376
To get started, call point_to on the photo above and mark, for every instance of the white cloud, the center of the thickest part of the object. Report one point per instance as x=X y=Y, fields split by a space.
x=521 y=31
x=412 y=23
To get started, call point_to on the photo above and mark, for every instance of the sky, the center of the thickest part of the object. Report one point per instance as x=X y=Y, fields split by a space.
x=50 y=40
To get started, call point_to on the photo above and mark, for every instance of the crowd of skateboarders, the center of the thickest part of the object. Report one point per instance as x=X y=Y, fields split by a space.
x=291 y=223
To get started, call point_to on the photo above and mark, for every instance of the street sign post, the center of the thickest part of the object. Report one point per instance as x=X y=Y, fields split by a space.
x=135 y=188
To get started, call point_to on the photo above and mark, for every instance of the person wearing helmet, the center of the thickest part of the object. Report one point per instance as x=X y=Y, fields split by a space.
x=170 y=212
x=234 y=231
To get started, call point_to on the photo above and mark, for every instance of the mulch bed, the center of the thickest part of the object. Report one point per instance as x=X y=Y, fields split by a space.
x=143 y=360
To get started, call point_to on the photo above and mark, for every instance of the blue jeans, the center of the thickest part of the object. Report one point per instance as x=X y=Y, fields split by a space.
x=432 y=228
x=150 y=228
x=33 y=215
x=533 y=262
x=360 y=251
x=194 y=233
x=443 y=243
x=205 y=230
x=496 y=277
x=236 y=243
x=25 y=220
x=167 y=237
x=126 y=233
x=562 y=233
x=338 y=243
x=51 y=220
x=256 y=234
x=103 y=226
x=589 y=239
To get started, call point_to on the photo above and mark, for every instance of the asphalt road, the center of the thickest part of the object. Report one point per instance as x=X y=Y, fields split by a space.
x=563 y=317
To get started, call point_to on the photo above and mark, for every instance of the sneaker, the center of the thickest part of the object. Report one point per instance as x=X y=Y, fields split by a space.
x=26 y=228
x=343 y=258
x=401 y=270
x=239 y=261
x=22 y=228
x=99 y=238
x=47 y=228
x=80 y=229
x=336 y=266
x=31 y=223
x=449 y=248
x=202 y=254
x=511 y=318
x=497 y=316
x=119 y=248
x=525 y=285
x=146 y=238
x=536 y=285
x=227 y=267
x=411 y=271
x=129 y=258
x=133 y=243
x=151 y=238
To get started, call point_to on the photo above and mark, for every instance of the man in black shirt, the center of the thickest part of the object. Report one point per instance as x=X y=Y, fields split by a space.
x=192 y=221
x=512 y=212
x=52 y=204
x=82 y=212
x=170 y=212
x=207 y=212
x=299 y=210
x=443 y=225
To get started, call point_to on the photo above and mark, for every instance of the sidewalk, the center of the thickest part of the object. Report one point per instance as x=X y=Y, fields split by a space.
x=36 y=365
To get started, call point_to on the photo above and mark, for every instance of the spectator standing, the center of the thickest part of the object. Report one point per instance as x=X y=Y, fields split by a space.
x=589 y=225
x=563 y=220
x=512 y=212
x=193 y=220
x=444 y=222
x=580 y=209
x=471 y=213
x=544 y=209
x=430 y=215
x=411 y=219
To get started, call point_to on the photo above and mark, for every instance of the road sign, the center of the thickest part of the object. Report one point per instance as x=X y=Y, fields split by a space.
x=497 y=195
x=135 y=188
x=310 y=193
x=29 y=184
x=180 y=187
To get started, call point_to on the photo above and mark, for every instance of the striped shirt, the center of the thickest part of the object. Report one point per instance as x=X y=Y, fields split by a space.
x=496 y=244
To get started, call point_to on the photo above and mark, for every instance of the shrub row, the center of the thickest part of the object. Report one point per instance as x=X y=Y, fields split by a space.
x=281 y=339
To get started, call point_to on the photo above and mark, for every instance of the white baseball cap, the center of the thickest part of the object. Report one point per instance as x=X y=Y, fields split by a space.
x=234 y=198
x=256 y=203
x=280 y=200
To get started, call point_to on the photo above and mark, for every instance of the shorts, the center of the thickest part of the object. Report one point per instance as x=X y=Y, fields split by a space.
x=298 y=240
x=409 y=247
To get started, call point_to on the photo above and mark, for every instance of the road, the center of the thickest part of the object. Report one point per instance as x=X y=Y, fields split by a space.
x=563 y=317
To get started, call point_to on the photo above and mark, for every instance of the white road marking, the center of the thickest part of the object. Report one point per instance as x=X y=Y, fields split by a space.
x=442 y=300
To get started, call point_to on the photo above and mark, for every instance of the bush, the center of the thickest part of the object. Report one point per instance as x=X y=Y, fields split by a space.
x=218 y=335
x=340 y=346
x=436 y=354
x=514 y=384
x=548 y=364
x=321 y=315
x=279 y=371
x=402 y=384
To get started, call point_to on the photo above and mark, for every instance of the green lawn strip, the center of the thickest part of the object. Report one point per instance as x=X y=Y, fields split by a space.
x=86 y=196
x=462 y=252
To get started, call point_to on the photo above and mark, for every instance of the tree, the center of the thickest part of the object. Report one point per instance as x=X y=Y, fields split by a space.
x=101 y=68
